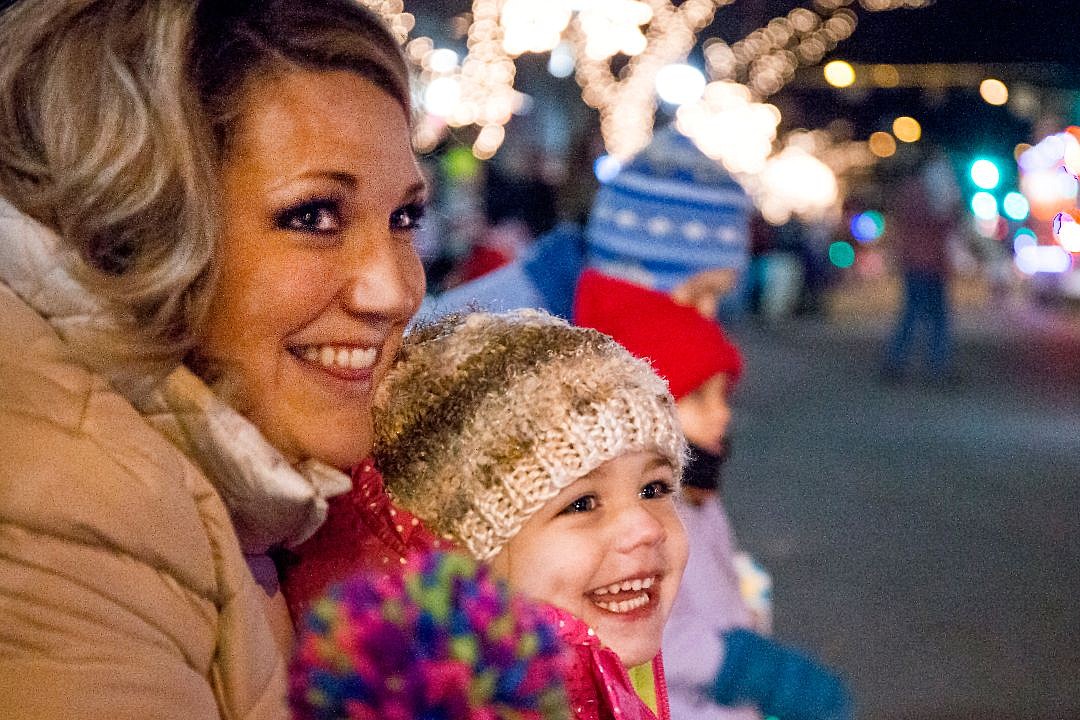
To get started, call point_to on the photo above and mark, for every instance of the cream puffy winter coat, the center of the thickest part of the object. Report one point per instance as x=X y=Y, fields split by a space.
x=124 y=591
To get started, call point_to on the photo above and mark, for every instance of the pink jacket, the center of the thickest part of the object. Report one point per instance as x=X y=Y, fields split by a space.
x=598 y=685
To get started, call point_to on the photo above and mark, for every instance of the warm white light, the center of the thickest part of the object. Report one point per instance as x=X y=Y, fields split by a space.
x=839 y=74
x=614 y=26
x=1067 y=232
x=442 y=95
x=530 y=26
x=729 y=127
x=907 y=129
x=680 y=83
x=1071 y=154
x=443 y=60
x=795 y=182
x=561 y=61
x=994 y=91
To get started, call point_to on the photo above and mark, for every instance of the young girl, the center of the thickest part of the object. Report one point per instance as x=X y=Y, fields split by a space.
x=551 y=453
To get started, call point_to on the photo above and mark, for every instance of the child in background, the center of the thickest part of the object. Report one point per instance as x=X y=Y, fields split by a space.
x=440 y=640
x=711 y=624
x=553 y=455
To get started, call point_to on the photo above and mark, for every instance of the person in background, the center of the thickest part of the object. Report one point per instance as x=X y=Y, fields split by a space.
x=441 y=640
x=205 y=268
x=551 y=454
x=671 y=219
x=711 y=624
x=918 y=229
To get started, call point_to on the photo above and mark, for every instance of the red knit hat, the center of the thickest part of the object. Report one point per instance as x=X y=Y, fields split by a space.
x=685 y=348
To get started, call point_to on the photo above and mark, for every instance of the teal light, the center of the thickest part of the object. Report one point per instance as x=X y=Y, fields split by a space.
x=842 y=254
x=985 y=174
x=1016 y=206
x=984 y=205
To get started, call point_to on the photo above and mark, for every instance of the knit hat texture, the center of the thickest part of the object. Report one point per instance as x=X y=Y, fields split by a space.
x=485 y=417
x=684 y=348
x=669 y=214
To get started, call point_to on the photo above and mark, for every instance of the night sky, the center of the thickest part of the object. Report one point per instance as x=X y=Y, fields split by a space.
x=984 y=31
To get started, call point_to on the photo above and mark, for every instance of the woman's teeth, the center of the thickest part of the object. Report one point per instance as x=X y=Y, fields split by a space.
x=626 y=586
x=344 y=358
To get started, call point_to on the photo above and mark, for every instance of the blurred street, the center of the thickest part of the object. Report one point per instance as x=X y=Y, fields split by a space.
x=921 y=539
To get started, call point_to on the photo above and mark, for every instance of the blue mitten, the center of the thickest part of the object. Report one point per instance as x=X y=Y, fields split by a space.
x=779 y=681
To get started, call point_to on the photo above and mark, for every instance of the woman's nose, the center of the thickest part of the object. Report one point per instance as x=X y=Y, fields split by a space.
x=384 y=277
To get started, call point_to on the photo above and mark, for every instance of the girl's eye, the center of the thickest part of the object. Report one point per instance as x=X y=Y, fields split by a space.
x=407 y=217
x=657 y=489
x=315 y=216
x=585 y=503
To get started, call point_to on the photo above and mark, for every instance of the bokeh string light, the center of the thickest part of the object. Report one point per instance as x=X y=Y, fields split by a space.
x=616 y=49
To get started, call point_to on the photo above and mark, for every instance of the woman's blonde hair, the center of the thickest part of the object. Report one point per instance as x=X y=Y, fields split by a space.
x=115 y=116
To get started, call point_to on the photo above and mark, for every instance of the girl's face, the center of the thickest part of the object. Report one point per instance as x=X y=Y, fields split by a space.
x=705 y=414
x=321 y=197
x=610 y=549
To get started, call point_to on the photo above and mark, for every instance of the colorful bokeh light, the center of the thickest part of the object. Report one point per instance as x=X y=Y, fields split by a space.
x=1016 y=206
x=984 y=206
x=985 y=174
x=867 y=226
x=839 y=73
x=842 y=254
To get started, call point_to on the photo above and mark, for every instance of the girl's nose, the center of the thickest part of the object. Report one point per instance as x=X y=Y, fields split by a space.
x=638 y=526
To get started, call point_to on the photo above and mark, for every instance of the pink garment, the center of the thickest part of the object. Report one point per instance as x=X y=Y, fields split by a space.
x=598 y=685
x=707 y=605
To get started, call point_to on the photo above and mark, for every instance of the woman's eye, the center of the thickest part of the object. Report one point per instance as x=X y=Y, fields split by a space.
x=316 y=216
x=585 y=503
x=657 y=489
x=407 y=217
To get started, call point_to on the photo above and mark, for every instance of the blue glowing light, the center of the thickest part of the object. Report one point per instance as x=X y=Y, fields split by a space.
x=606 y=167
x=1016 y=206
x=867 y=226
x=984 y=205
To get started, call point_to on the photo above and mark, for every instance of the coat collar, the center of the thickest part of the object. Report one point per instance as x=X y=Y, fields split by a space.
x=271 y=502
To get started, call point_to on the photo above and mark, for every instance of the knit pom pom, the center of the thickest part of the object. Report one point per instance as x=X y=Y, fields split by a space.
x=442 y=641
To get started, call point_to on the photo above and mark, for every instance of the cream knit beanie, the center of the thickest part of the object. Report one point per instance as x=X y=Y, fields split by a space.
x=485 y=417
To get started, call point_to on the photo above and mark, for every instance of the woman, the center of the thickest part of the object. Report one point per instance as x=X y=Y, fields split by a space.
x=206 y=264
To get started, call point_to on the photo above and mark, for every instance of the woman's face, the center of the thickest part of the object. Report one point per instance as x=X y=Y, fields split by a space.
x=610 y=549
x=321 y=197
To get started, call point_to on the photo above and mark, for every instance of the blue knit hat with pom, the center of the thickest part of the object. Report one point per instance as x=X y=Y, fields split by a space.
x=670 y=213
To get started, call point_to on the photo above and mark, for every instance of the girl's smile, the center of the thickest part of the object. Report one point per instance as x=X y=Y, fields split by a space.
x=610 y=549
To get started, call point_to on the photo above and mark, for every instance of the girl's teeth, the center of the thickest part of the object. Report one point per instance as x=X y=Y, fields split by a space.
x=625 y=606
x=340 y=357
x=626 y=586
